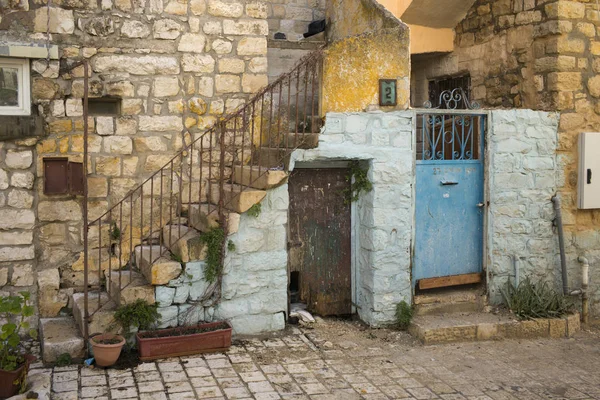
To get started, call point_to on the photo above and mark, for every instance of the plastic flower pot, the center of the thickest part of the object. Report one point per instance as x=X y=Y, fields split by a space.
x=107 y=348
x=12 y=381
x=184 y=341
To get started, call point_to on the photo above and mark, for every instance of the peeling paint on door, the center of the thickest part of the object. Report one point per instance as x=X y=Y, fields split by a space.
x=319 y=247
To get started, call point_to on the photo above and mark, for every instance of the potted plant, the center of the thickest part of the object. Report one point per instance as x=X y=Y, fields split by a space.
x=107 y=348
x=153 y=343
x=184 y=341
x=14 y=361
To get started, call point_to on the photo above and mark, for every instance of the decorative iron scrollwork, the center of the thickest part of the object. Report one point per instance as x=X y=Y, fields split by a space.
x=454 y=99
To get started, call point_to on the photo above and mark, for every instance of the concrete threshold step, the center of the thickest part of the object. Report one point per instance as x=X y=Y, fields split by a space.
x=462 y=327
x=258 y=177
x=60 y=336
x=450 y=300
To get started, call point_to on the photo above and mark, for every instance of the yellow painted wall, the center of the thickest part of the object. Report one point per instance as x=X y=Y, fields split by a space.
x=366 y=43
x=424 y=39
x=352 y=68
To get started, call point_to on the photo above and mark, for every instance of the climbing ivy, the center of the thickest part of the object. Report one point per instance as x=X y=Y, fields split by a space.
x=255 y=210
x=214 y=240
x=359 y=182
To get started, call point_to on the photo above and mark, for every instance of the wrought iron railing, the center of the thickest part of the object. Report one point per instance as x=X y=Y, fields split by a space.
x=280 y=118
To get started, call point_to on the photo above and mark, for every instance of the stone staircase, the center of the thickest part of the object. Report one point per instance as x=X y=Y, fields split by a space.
x=171 y=263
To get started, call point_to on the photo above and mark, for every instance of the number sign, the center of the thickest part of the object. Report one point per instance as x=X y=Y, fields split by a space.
x=387 y=92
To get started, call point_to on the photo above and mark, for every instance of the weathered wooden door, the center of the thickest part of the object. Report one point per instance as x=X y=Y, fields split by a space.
x=319 y=240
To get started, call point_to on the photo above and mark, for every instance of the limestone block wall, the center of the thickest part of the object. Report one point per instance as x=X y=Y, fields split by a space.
x=174 y=66
x=254 y=286
x=523 y=178
x=289 y=19
x=255 y=281
x=383 y=218
x=541 y=55
x=17 y=217
x=502 y=44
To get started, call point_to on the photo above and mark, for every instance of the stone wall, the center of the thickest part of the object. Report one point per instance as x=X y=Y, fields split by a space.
x=174 y=66
x=365 y=43
x=384 y=217
x=523 y=174
x=254 y=286
x=541 y=55
x=501 y=44
x=17 y=217
x=289 y=19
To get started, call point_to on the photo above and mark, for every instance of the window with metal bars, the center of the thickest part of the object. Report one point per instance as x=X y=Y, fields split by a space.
x=439 y=85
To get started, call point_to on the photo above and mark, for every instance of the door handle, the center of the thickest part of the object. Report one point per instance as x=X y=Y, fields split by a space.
x=480 y=205
x=589 y=176
x=448 y=183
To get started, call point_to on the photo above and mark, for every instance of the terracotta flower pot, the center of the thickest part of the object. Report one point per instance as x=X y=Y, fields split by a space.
x=107 y=348
x=8 y=387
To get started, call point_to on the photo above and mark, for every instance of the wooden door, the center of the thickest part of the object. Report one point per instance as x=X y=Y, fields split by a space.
x=319 y=240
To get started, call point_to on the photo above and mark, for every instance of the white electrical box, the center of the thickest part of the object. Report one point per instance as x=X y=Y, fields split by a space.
x=589 y=170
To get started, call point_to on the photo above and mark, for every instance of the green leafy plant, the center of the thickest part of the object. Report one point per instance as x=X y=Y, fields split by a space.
x=255 y=210
x=176 y=257
x=230 y=246
x=359 y=182
x=139 y=314
x=214 y=240
x=404 y=314
x=64 y=360
x=115 y=232
x=531 y=300
x=14 y=309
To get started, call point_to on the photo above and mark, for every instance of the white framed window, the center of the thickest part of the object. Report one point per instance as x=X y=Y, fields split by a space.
x=15 y=92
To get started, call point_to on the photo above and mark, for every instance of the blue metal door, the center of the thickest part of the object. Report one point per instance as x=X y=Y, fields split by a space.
x=449 y=195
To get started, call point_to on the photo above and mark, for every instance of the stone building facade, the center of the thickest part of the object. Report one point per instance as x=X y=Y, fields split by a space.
x=540 y=55
x=174 y=68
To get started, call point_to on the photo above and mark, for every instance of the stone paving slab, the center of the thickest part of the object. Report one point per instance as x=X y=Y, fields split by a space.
x=344 y=360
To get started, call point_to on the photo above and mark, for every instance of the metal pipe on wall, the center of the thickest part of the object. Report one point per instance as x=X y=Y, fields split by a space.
x=561 y=243
x=585 y=277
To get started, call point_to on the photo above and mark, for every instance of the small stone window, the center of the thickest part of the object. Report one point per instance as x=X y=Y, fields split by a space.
x=15 y=94
x=104 y=106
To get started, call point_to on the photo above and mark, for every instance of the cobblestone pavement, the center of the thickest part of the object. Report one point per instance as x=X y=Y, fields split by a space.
x=343 y=360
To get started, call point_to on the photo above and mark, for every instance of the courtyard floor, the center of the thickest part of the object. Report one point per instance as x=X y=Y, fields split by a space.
x=345 y=360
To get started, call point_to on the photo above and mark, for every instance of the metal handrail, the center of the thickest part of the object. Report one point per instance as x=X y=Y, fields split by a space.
x=237 y=140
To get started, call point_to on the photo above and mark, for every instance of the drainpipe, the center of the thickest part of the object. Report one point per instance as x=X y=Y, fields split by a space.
x=585 y=270
x=516 y=270
x=561 y=243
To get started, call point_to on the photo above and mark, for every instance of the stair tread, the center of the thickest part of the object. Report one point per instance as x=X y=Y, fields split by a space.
x=204 y=216
x=258 y=177
x=60 y=336
x=448 y=296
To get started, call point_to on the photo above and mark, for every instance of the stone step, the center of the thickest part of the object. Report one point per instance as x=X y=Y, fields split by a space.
x=237 y=198
x=131 y=287
x=463 y=327
x=204 y=217
x=258 y=178
x=184 y=243
x=102 y=319
x=60 y=336
x=450 y=300
x=157 y=269
x=272 y=158
x=300 y=140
